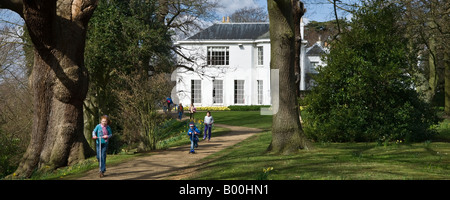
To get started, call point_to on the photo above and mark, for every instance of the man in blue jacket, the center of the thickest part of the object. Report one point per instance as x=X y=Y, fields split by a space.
x=193 y=136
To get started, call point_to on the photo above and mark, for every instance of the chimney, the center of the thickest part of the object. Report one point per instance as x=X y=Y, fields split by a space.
x=223 y=19
x=228 y=19
x=302 y=28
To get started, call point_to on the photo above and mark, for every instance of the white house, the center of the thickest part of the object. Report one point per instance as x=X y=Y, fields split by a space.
x=231 y=63
x=312 y=59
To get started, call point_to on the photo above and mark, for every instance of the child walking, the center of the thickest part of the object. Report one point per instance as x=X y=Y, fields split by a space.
x=193 y=136
x=180 y=111
x=209 y=120
x=101 y=134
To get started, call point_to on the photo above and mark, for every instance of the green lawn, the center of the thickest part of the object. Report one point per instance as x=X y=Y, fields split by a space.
x=328 y=161
x=240 y=118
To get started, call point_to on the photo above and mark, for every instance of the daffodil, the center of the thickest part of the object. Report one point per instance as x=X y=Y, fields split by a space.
x=268 y=169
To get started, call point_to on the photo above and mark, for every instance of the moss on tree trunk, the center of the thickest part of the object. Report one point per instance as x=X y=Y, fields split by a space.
x=59 y=82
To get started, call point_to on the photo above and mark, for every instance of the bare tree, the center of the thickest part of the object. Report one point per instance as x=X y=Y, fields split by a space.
x=59 y=81
x=186 y=16
x=426 y=22
x=15 y=97
x=250 y=14
x=138 y=105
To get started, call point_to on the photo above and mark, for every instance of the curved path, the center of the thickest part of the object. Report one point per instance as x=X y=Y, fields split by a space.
x=175 y=162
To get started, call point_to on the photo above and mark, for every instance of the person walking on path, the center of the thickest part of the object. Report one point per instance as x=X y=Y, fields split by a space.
x=193 y=136
x=180 y=111
x=209 y=120
x=101 y=134
x=192 y=111
x=169 y=103
x=172 y=165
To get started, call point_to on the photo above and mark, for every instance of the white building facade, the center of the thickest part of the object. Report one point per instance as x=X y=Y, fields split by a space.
x=227 y=64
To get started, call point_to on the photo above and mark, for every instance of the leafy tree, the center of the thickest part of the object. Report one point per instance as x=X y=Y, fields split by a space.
x=364 y=93
x=104 y=47
x=126 y=38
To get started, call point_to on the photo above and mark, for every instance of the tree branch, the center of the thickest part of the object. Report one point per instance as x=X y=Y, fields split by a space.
x=14 y=5
x=337 y=21
x=340 y=7
x=181 y=54
x=186 y=67
x=83 y=10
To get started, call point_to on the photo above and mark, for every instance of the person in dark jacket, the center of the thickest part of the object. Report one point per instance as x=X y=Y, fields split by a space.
x=193 y=136
x=180 y=111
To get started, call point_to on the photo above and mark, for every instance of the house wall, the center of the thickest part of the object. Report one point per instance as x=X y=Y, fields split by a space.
x=314 y=59
x=242 y=66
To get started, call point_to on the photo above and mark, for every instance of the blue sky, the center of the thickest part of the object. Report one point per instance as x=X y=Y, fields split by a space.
x=317 y=10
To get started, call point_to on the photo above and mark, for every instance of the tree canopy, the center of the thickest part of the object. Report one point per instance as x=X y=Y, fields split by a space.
x=365 y=92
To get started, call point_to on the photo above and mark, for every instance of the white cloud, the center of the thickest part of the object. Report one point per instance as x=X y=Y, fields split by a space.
x=228 y=7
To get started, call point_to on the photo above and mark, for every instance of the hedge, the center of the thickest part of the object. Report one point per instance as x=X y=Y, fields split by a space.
x=229 y=108
x=248 y=108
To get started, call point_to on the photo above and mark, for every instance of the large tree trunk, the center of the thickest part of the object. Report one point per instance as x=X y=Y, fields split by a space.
x=287 y=134
x=447 y=82
x=59 y=81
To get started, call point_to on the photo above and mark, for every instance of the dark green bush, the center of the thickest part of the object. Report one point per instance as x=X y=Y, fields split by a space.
x=9 y=154
x=364 y=93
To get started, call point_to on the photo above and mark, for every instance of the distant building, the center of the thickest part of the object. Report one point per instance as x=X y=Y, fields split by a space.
x=312 y=60
x=232 y=66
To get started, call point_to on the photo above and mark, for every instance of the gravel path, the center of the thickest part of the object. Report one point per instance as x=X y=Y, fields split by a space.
x=173 y=163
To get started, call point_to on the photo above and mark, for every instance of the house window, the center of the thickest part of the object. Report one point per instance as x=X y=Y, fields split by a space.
x=239 y=91
x=260 y=55
x=313 y=66
x=217 y=91
x=260 y=91
x=196 y=91
x=218 y=56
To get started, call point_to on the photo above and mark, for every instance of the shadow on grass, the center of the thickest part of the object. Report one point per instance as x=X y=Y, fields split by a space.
x=333 y=161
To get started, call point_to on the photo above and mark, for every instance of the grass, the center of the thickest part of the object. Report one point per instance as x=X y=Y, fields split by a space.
x=78 y=170
x=251 y=119
x=249 y=159
x=443 y=131
x=182 y=138
x=332 y=161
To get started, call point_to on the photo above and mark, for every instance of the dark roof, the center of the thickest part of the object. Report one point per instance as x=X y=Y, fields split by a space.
x=315 y=50
x=233 y=31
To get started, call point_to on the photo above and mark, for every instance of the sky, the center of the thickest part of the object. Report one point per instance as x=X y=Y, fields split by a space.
x=317 y=10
